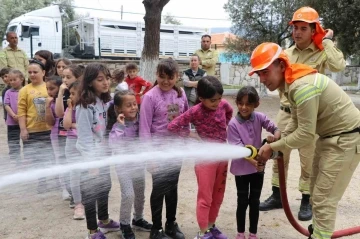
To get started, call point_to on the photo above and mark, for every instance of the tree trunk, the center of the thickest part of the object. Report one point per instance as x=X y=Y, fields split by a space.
x=150 y=53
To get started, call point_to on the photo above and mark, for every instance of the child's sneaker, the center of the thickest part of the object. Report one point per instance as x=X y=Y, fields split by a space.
x=173 y=231
x=240 y=236
x=158 y=234
x=97 y=235
x=142 y=225
x=127 y=232
x=207 y=235
x=112 y=226
x=253 y=236
x=79 y=212
x=217 y=234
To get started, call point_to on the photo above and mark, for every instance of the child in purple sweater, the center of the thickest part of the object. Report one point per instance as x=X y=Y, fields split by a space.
x=58 y=136
x=124 y=133
x=245 y=129
x=71 y=153
x=16 y=80
x=159 y=107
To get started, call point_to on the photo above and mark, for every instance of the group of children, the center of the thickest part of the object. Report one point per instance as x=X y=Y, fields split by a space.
x=74 y=110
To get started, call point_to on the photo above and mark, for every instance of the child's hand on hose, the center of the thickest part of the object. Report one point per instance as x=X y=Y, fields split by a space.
x=253 y=162
x=260 y=167
x=270 y=138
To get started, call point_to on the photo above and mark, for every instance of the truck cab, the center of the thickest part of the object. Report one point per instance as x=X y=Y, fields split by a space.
x=38 y=30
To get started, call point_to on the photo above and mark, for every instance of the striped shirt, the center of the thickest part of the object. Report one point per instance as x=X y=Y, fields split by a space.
x=330 y=58
x=319 y=106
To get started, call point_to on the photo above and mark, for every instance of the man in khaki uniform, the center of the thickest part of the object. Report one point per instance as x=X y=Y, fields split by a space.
x=313 y=47
x=318 y=106
x=12 y=56
x=208 y=56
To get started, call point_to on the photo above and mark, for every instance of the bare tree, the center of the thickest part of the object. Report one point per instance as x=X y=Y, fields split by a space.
x=150 y=53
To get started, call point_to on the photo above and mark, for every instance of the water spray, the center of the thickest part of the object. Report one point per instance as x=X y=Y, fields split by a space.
x=166 y=153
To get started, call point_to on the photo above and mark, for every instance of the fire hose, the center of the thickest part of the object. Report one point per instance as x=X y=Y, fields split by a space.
x=284 y=198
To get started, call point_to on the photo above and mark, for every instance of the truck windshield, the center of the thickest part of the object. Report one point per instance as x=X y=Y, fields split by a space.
x=12 y=29
x=26 y=31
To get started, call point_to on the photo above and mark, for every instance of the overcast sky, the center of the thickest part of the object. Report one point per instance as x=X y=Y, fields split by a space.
x=182 y=8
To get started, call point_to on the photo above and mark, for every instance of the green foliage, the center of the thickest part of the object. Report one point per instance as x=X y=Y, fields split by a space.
x=68 y=16
x=169 y=19
x=257 y=21
x=343 y=17
x=10 y=9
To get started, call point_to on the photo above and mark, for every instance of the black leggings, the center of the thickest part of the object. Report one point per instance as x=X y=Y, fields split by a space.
x=95 y=190
x=248 y=192
x=165 y=185
x=13 y=135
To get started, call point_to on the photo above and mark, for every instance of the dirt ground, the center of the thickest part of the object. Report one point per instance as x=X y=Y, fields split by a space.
x=25 y=214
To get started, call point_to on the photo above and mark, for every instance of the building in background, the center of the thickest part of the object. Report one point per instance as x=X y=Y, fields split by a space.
x=218 y=41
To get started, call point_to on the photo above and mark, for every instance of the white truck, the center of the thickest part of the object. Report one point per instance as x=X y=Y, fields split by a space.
x=44 y=25
x=97 y=37
x=124 y=39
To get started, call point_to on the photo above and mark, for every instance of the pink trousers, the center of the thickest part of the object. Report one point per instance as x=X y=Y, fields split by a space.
x=211 y=178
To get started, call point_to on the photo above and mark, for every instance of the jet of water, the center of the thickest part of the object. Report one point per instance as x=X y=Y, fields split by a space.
x=166 y=153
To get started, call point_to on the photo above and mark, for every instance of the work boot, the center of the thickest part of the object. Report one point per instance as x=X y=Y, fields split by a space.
x=273 y=202
x=305 y=213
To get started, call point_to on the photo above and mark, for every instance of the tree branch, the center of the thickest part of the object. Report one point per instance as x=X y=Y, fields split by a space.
x=285 y=37
x=163 y=3
x=281 y=33
x=153 y=3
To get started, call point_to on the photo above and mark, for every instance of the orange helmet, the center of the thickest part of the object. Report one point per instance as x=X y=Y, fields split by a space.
x=305 y=14
x=264 y=55
x=309 y=15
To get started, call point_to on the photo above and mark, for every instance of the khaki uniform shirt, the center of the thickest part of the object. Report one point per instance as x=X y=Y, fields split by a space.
x=330 y=58
x=15 y=59
x=209 y=59
x=318 y=106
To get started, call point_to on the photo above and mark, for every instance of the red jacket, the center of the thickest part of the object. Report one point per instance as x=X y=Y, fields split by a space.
x=136 y=85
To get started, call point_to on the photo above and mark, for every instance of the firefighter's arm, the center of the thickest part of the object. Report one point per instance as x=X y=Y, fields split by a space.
x=306 y=98
x=335 y=61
